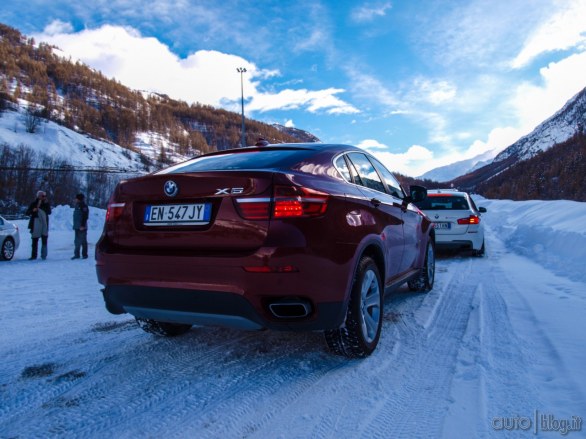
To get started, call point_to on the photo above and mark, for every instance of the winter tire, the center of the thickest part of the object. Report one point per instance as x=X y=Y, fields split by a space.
x=7 y=250
x=165 y=329
x=359 y=335
x=424 y=282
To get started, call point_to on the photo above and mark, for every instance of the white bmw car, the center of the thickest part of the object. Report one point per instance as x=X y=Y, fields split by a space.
x=9 y=239
x=457 y=220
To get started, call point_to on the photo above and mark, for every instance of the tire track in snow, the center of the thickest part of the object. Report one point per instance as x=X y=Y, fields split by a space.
x=101 y=390
x=516 y=374
x=417 y=388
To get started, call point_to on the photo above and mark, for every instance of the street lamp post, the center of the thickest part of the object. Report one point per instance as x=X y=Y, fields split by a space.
x=242 y=70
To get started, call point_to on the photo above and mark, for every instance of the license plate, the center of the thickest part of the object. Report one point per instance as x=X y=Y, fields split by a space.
x=441 y=225
x=178 y=214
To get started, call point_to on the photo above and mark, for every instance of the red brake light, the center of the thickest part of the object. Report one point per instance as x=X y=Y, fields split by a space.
x=472 y=219
x=287 y=208
x=287 y=202
x=294 y=201
x=114 y=211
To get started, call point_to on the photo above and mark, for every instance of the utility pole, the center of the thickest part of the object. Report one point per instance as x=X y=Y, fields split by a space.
x=242 y=70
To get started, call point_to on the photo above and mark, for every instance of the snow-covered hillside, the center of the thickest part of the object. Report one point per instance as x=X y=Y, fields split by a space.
x=557 y=129
x=564 y=124
x=499 y=342
x=453 y=170
x=60 y=143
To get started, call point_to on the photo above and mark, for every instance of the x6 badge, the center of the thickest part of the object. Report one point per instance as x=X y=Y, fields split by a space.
x=229 y=191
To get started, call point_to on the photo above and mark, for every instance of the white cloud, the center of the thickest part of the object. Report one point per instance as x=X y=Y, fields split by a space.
x=371 y=144
x=290 y=124
x=560 y=82
x=312 y=101
x=476 y=34
x=316 y=40
x=58 y=27
x=440 y=92
x=206 y=76
x=368 y=13
x=430 y=91
x=564 y=30
x=370 y=88
x=407 y=163
x=498 y=139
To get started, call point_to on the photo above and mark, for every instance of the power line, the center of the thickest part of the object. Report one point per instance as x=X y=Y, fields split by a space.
x=71 y=169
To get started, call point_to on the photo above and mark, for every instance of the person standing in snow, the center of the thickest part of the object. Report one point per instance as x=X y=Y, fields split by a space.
x=39 y=211
x=80 y=217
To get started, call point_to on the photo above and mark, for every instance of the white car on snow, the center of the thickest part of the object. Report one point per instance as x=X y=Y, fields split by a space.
x=457 y=220
x=9 y=239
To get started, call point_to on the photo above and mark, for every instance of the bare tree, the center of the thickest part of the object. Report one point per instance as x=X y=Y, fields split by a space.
x=32 y=119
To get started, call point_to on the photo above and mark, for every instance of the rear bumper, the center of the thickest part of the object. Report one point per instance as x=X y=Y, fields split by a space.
x=211 y=308
x=454 y=245
x=218 y=291
x=466 y=241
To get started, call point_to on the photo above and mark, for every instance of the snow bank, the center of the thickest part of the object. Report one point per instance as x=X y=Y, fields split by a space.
x=551 y=233
x=62 y=218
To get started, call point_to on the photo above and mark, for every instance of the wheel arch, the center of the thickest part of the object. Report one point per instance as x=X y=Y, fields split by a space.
x=374 y=249
x=376 y=254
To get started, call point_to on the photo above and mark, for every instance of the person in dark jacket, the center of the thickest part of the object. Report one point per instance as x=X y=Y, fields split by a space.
x=39 y=211
x=80 y=217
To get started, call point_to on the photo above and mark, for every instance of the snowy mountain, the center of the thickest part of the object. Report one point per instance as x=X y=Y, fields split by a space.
x=453 y=170
x=568 y=121
x=523 y=165
x=301 y=135
x=563 y=125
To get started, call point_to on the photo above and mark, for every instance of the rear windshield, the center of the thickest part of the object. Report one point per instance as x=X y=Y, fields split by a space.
x=443 y=202
x=248 y=160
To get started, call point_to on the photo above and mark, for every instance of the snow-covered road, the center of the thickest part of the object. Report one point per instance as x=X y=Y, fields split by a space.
x=498 y=342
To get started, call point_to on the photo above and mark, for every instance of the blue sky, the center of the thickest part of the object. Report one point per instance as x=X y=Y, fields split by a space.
x=420 y=83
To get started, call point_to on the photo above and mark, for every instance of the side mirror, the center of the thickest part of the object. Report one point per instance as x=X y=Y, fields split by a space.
x=418 y=193
x=482 y=209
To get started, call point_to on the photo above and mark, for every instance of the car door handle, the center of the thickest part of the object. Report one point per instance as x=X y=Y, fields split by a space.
x=375 y=202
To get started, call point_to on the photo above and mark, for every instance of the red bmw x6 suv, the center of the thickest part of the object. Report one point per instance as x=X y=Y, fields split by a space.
x=291 y=237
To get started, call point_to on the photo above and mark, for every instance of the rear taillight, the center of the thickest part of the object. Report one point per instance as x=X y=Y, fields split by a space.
x=114 y=211
x=287 y=202
x=293 y=201
x=472 y=219
x=254 y=208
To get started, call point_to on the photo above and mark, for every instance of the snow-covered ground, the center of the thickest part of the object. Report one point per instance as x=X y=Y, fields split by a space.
x=60 y=143
x=495 y=350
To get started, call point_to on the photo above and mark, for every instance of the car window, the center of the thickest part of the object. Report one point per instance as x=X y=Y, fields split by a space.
x=342 y=166
x=366 y=172
x=243 y=160
x=392 y=183
x=443 y=202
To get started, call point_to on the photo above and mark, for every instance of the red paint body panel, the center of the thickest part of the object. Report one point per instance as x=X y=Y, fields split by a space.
x=198 y=260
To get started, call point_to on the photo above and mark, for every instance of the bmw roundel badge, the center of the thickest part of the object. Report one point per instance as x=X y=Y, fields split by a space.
x=170 y=188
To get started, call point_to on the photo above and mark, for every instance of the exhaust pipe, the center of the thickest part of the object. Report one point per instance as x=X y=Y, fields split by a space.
x=290 y=309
